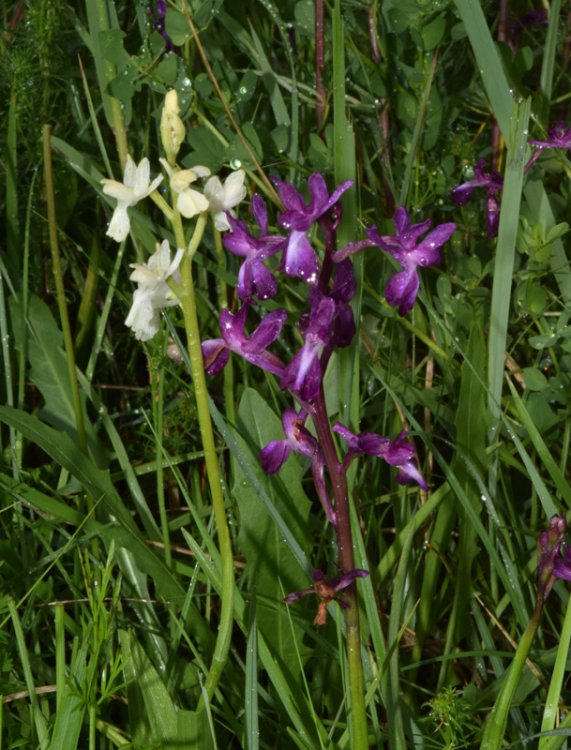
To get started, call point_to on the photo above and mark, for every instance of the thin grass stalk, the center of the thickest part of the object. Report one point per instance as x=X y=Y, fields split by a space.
x=157 y=379
x=496 y=724
x=38 y=717
x=504 y=264
x=548 y=62
x=7 y=360
x=551 y=710
x=188 y=303
x=60 y=290
x=60 y=655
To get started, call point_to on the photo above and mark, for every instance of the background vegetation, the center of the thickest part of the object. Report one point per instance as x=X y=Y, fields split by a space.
x=109 y=572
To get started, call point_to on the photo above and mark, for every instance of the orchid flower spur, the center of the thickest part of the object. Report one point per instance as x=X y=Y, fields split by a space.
x=493 y=183
x=327 y=591
x=399 y=452
x=252 y=348
x=551 y=564
x=299 y=257
x=189 y=202
x=254 y=278
x=222 y=197
x=153 y=292
x=136 y=185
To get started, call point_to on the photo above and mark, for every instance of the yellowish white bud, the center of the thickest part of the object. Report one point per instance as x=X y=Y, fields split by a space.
x=172 y=127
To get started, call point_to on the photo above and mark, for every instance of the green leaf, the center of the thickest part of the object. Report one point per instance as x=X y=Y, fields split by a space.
x=153 y=717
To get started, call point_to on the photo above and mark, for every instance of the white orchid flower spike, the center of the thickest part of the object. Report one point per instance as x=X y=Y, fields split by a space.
x=189 y=202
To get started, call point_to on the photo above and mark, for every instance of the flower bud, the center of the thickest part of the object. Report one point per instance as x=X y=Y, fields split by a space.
x=172 y=127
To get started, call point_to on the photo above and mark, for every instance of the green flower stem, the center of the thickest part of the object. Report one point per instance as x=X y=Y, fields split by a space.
x=496 y=725
x=188 y=303
x=358 y=717
x=60 y=292
x=229 y=405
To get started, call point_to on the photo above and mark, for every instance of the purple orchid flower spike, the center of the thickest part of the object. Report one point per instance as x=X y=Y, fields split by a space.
x=327 y=591
x=342 y=293
x=216 y=352
x=493 y=183
x=410 y=252
x=299 y=258
x=550 y=563
x=299 y=440
x=399 y=452
x=303 y=374
x=254 y=278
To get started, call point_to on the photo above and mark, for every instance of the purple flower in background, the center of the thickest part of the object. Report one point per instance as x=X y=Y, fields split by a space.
x=399 y=452
x=493 y=183
x=299 y=258
x=559 y=136
x=550 y=564
x=253 y=347
x=303 y=374
x=297 y=438
x=327 y=591
x=410 y=252
x=254 y=278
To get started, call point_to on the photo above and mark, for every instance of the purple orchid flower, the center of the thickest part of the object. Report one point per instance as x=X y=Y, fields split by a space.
x=299 y=440
x=493 y=183
x=408 y=250
x=303 y=374
x=399 y=452
x=216 y=352
x=254 y=278
x=342 y=293
x=299 y=258
x=327 y=591
x=558 y=136
x=550 y=563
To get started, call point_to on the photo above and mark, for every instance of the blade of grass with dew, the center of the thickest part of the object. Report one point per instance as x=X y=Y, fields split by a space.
x=504 y=261
x=412 y=148
x=551 y=710
x=345 y=168
x=489 y=62
x=40 y=723
x=71 y=704
x=251 y=681
x=543 y=452
x=548 y=56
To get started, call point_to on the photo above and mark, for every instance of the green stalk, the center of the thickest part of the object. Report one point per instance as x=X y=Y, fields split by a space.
x=551 y=710
x=188 y=304
x=157 y=381
x=60 y=292
x=496 y=725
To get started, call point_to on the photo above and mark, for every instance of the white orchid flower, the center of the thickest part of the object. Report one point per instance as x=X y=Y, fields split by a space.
x=189 y=201
x=136 y=185
x=223 y=197
x=153 y=292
